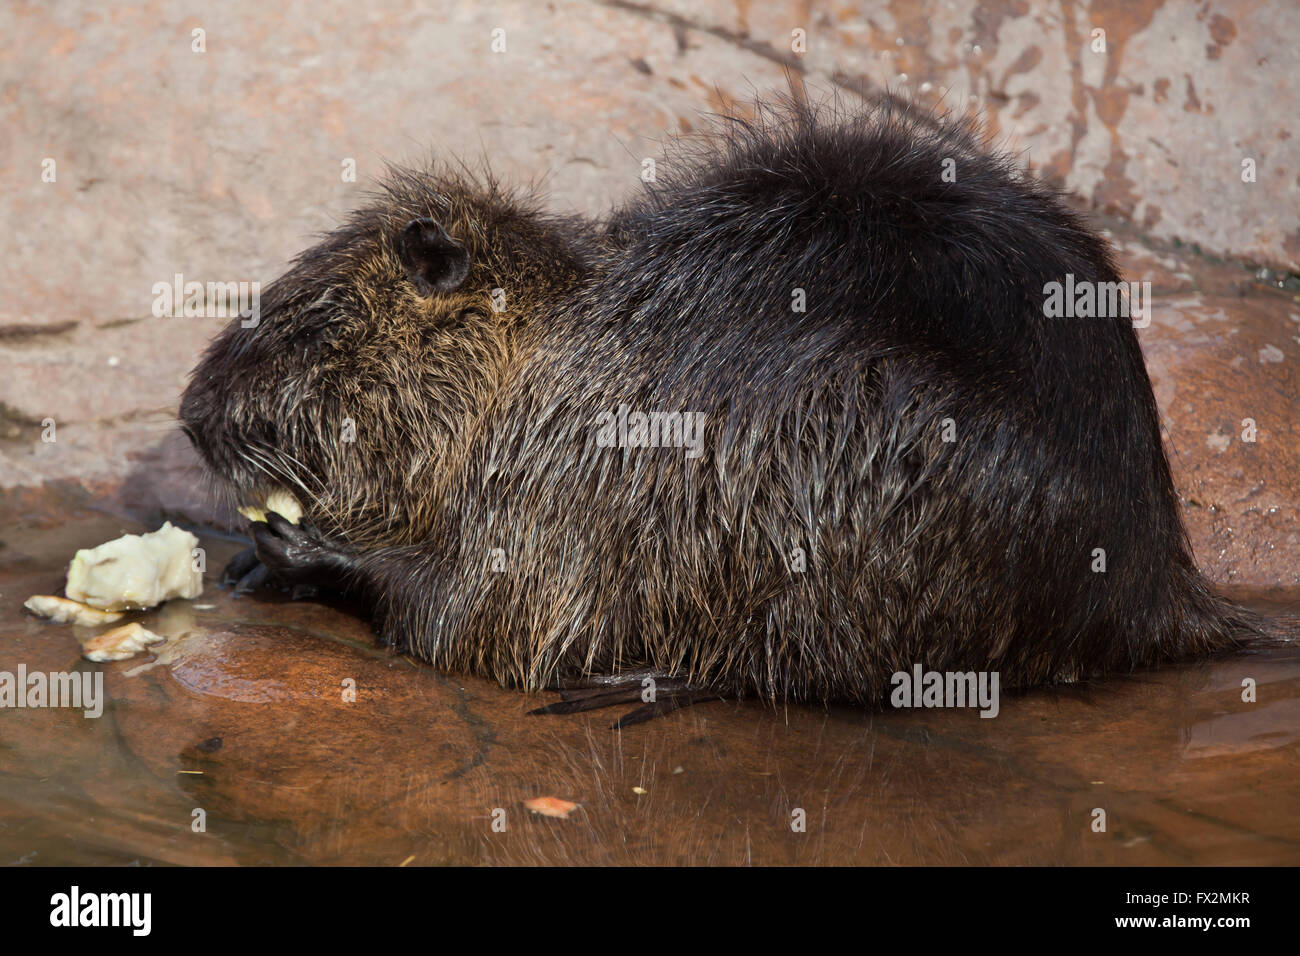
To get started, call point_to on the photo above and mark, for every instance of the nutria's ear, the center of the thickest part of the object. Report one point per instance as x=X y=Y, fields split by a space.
x=433 y=260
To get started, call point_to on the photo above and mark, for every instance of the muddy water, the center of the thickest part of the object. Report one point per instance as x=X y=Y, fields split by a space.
x=236 y=743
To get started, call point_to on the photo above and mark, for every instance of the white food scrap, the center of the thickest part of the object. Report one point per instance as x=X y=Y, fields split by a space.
x=120 y=644
x=62 y=611
x=136 y=570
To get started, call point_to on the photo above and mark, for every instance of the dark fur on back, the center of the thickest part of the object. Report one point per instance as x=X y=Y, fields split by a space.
x=498 y=538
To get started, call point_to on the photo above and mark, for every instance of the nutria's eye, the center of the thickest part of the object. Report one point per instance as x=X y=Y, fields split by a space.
x=314 y=333
x=306 y=338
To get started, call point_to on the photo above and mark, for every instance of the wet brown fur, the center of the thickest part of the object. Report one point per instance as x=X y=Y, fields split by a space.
x=475 y=429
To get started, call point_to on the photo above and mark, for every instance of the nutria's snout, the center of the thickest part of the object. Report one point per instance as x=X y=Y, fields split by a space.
x=193 y=420
x=200 y=419
x=236 y=447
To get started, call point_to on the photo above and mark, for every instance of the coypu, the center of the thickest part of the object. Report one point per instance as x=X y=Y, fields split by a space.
x=902 y=458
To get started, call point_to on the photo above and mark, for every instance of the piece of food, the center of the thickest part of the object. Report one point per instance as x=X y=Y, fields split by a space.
x=551 y=807
x=120 y=643
x=281 y=502
x=136 y=570
x=62 y=611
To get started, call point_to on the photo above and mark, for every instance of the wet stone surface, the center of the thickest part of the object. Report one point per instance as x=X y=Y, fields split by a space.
x=242 y=714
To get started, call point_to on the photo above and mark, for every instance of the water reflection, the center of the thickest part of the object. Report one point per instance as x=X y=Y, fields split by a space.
x=427 y=768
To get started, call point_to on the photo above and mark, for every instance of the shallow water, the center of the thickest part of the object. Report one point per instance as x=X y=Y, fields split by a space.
x=241 y=715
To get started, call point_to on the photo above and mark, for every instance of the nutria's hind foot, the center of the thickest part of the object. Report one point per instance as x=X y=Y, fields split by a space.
x=657 y=694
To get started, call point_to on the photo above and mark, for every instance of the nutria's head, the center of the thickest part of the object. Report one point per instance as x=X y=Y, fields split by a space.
x=373 y=354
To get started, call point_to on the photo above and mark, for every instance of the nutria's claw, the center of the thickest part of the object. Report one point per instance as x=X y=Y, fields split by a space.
x=253 y=580
x=298 y=556
x=245 y=573
x=665 y=703
x=241 y=567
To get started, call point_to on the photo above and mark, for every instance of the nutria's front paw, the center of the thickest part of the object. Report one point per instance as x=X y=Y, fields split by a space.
x=245 y=573
x=298 y=556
